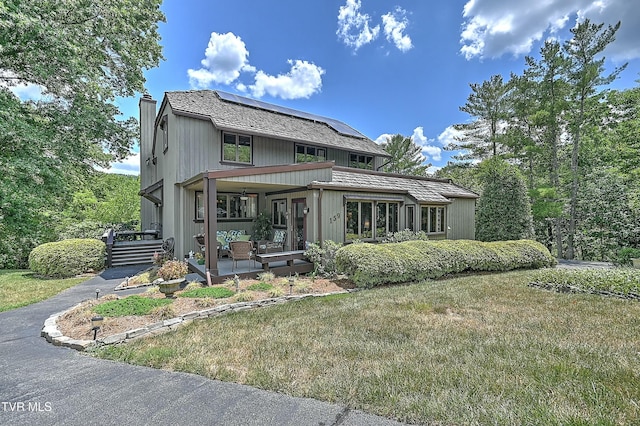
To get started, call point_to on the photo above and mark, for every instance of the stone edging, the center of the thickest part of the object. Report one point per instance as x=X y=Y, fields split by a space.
x=53 y=335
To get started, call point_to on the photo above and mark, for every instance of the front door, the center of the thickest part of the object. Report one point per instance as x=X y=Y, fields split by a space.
x=299 y=224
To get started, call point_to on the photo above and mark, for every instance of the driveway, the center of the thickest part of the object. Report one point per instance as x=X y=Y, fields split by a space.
x=42 y=384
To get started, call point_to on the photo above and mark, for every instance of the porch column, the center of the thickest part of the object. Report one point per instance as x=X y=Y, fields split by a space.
x=210 y=225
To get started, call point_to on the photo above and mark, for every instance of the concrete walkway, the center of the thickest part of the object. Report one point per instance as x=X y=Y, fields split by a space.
x=42 y=384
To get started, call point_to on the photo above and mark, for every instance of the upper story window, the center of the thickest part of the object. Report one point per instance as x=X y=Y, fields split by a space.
x=433 y=219
x=361 y=161
x=164 y=133
x=236 y=148
x=310 y=154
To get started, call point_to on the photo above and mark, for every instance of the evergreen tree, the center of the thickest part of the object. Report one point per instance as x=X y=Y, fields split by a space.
x=406 y=156
x=504 y=210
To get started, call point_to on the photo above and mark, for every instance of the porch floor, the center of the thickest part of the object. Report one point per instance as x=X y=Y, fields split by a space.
x=248 y=269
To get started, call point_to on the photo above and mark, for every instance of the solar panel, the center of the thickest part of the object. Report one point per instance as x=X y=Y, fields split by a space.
x=336 y=125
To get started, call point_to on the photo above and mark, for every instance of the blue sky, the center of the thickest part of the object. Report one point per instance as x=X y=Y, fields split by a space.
x=383 y=67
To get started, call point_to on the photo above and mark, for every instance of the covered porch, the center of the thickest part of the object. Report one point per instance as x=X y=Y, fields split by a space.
x=229 y=201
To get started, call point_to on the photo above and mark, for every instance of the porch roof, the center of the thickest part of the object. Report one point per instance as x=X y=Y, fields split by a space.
x=422 y=189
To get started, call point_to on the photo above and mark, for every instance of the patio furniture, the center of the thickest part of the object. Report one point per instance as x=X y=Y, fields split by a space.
x=276 y=244
x=167 y=248
x=241 y=250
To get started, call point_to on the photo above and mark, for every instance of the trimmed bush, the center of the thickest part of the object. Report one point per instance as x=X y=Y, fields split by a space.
x=370 y=265
x=67 y=258
x=619 y=282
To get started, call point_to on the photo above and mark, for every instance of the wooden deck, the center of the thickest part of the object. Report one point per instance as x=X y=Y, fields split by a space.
x=250 y=269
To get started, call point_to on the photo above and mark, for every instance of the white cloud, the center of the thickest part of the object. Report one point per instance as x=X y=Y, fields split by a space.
x=428 y=151
x=353 y=26
x=449 y=136
x=493 y=28
x=395 y=23
x=383 y=138
x=303 y=80
x=225 y=57
x=128 y=166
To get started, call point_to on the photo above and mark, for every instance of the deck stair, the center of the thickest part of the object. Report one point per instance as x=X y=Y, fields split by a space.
x=134 y=252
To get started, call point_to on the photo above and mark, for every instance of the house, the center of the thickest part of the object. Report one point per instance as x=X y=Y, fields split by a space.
x=211 y=161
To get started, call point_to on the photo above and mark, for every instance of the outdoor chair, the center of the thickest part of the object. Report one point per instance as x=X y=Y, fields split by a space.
x=241 y=250
x=274 y=245
x=167 y=248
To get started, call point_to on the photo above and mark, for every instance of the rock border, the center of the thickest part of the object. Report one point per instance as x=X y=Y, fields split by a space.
x=54 y=336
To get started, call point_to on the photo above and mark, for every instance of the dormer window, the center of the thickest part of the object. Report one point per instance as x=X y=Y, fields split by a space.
x=360 y=161
x=310 y=154
x=236 y=148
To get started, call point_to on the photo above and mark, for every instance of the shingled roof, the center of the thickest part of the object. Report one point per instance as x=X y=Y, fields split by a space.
x=423 y=190
x=239 y=117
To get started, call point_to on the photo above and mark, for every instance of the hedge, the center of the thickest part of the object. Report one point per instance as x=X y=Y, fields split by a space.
x=618 y=282
x=67 y=258
x=370 y=265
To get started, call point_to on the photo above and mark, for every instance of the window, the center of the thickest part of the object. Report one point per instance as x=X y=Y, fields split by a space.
x=310 y=154
x=199 y=210
x=359 y=219
x=386 y=219
x=164 y=129
x=236 y=148
x=411 y=218
x=230 y=206
x=360 y=161
x=279 y=215
x=433 y=219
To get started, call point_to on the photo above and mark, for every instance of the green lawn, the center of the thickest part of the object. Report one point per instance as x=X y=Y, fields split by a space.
x=20 y=288
x=481 y=349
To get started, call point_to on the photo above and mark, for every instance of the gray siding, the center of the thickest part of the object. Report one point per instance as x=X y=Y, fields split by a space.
x=461 y=219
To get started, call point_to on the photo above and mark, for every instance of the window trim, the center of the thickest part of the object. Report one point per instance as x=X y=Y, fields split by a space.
x=277 y=223
x=229 y=195
x=164 y=126
x=306 y=147
x=198 y=206
x=237 y=144
x=443 y=224
x=375 y=202
x=359 y=164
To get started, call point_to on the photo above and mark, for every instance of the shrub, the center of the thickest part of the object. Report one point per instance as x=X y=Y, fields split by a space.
x=405 y=235
x=173 y=270
x=370 y=264
x=323 y=258
x=622 y=282
x=261 y=286
x=625 y=255
x=67 y=258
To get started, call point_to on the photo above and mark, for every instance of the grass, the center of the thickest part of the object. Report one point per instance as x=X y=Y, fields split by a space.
x=482 y=349
x=132 y=305
x=213 y=292
x=20 y=288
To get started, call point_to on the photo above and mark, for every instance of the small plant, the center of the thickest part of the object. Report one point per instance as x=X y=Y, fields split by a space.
x=199 y=258
x=276 y=292
x=159 y=258
x=164 y=311
x=193 y=285
x=229 y=282
x=302 y=286
x=173 y=270
x=242 y=297
x=261 y=286
x=266 y=276
x=324 y=258
x=262 y=226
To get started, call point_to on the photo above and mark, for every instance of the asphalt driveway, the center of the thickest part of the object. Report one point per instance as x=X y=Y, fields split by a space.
x=42 y=384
